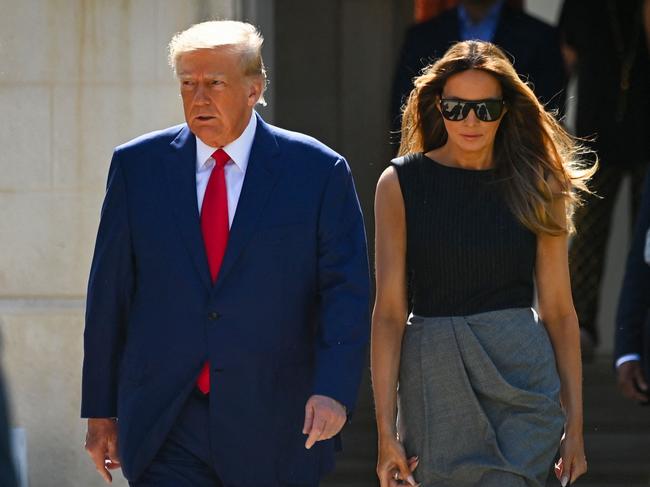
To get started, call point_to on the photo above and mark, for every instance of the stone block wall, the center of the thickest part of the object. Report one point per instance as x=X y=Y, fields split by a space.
x=77 y=78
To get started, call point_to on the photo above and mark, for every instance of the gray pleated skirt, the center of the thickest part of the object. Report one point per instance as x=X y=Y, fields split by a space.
x=478 y=399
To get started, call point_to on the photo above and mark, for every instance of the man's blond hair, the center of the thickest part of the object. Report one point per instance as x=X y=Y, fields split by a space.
x=241 y=37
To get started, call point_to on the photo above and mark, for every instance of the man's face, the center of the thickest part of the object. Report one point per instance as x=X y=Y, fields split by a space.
x=217 y=96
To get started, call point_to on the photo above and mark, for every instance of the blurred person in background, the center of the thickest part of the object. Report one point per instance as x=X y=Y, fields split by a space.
x=7 y=468
x=605 y=43
x=532 y=45
x=632 y=336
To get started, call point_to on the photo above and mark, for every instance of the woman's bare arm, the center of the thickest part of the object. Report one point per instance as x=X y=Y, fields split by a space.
x=389 y=315
x=388 y=322
x=559 y=316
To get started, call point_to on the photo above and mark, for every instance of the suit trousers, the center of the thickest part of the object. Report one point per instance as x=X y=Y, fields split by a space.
x=184 y=458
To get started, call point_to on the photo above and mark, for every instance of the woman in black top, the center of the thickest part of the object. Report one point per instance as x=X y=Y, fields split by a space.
x=478 y=204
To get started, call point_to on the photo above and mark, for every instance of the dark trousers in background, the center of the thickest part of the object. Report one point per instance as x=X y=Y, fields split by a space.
x=593 y=224
x=184 y=458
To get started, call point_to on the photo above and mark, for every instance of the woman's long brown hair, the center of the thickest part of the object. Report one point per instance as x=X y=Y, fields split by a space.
x=532 y=152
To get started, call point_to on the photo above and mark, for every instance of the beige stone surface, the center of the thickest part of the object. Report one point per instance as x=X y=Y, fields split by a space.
x=77 y=78
x=42 y=353
x=25 y=35
x=90 y=120
x=25 y=137
x=49 y=238
x=95 y=41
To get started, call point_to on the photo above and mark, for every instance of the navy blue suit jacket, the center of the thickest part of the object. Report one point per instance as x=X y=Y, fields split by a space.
x=287 y=317
x=533 y=46
x=633 y=316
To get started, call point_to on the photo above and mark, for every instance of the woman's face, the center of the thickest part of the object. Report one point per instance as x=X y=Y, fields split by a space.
x=471 y=134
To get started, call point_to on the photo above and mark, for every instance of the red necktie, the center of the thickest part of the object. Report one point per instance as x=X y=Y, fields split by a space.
x=215 y=227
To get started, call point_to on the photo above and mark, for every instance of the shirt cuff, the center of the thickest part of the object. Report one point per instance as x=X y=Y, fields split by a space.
x=627 y=358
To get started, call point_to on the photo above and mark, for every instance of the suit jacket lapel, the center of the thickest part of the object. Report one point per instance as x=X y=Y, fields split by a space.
x=503 y=35
x=264 y=168
x=180 y=170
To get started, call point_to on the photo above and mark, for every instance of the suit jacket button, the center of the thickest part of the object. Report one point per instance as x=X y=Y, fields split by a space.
x=213 y=315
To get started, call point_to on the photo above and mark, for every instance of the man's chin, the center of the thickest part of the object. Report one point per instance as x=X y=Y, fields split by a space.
x=209 y=136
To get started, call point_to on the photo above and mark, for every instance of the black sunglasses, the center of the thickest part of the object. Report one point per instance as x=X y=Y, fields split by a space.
x=455 y=109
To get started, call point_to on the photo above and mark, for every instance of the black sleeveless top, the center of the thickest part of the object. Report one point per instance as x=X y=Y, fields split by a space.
x=466 y=251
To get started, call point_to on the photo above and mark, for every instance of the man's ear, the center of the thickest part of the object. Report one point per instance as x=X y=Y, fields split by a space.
x=255 y=86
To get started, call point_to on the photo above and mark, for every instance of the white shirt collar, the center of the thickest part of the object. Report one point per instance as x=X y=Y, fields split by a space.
x=239 y=149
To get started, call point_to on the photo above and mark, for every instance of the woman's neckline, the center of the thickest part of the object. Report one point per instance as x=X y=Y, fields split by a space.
x=457 y=168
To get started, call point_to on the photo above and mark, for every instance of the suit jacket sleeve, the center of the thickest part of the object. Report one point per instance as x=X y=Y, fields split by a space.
x=550 y=78
x=409 y=66
x=110 y=288
x=634 y=301
x=402 y=84
x=343 y=281
x=571 y=16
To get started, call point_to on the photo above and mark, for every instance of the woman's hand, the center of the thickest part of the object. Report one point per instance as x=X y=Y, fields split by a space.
x=572 y=463
x=393 y=469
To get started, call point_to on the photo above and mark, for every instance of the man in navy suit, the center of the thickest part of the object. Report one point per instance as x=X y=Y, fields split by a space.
x=533 y=45
x=227 y=312
x=632 y=349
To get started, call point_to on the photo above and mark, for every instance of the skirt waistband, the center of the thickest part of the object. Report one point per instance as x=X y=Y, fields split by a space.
x=495 y=316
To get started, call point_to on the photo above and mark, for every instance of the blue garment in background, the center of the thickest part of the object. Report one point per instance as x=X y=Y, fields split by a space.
x=483 y=30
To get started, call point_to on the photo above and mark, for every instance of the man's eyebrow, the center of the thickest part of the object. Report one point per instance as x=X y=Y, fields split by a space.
x=215 y=74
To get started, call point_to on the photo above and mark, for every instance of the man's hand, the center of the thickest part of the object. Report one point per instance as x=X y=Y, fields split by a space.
x=631 y=382
x=324 y=418
x=101 y=445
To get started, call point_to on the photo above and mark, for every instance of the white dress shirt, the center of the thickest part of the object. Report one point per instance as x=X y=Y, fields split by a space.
x=239 y=150
x=627 y=358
